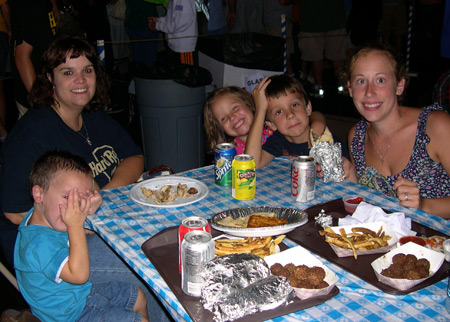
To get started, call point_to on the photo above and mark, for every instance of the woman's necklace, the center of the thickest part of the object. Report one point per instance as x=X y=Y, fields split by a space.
x=382 y=156
x=87 y=138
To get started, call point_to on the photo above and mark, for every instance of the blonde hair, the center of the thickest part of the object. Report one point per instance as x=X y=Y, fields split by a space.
x=214 y=130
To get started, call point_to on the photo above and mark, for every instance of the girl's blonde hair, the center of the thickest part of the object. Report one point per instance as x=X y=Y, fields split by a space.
x=214 y=130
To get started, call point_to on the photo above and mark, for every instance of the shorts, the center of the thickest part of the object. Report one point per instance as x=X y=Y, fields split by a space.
x=113 y=301
x=332 y=45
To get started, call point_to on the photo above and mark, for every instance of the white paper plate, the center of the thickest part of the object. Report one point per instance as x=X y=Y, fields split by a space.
x=295 y=218
x=435 y=258
x=157 y=183
x=300 y=256
x=375 y=226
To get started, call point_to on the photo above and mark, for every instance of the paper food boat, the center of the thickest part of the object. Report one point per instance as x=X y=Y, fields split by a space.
x=300 y=256
x=374 y=226
x=435 y=258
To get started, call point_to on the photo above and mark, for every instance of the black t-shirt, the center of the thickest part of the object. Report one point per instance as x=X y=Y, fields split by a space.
x=277 y=145
x=34 y=22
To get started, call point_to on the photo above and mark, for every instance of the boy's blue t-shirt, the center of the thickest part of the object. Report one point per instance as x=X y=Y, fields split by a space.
x=39 y=256
x=277 y=145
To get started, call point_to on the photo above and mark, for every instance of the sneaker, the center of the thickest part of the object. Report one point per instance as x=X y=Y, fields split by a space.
x=317 y=92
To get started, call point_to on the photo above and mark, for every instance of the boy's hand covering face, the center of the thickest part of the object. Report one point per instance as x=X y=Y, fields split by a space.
x=96 y=200
x=74 y=214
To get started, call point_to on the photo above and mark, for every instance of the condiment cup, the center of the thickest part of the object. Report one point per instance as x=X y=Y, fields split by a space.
x=351 y=202
x=414 y=239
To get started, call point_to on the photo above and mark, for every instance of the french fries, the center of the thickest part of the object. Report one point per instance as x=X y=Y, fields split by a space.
x=359 y=239
x=260 y=246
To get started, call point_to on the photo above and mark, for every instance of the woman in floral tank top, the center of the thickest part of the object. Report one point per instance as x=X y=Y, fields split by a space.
x=398 y=150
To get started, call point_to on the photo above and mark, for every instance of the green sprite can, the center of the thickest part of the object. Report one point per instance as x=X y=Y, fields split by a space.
x=223 y=157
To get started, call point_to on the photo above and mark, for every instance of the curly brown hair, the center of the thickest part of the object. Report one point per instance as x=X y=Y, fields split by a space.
x=42 y=92
x=214 y=131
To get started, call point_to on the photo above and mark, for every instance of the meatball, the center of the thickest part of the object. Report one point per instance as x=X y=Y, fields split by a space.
x=284 y=272
x=423 y=271
x=399 y=259
x=412 y=275
x=276 y=268
x=294 y=281
x=301 y=272
x=319 y=271
x=290 y=267
x=322 y=284
x=304 y=284
x=410 y=258
x=396 y=270
x=423 y=262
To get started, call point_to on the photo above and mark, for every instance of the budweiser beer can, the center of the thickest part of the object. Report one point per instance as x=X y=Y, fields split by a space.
x=303 y=179
x=197 y=249
x=190 y=224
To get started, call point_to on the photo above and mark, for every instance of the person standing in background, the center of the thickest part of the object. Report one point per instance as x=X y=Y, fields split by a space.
x=34 y=25
x=323 y=35
x=144 y=48
x=5 y=36
x=180 y=26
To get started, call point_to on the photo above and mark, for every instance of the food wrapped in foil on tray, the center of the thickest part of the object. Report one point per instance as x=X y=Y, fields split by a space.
x=241 y=284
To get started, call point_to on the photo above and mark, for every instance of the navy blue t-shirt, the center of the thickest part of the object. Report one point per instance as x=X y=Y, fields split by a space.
x=277 y=145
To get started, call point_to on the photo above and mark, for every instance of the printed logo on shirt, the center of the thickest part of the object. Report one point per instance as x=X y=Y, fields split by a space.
x=106 y=162
x=179 y=7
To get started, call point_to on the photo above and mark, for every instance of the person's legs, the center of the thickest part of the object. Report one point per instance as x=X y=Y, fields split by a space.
x=114 y=301
x=106 y=266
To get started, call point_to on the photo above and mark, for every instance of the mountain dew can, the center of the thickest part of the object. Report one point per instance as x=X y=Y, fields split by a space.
x=243 y=177
x=223 y=157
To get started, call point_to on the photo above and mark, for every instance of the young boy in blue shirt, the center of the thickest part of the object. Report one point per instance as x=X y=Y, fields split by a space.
x=51 y=256
x=285 y=102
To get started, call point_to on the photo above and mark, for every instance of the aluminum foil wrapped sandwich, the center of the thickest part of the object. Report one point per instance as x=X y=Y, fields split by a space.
x=328 y=154
x=241 y=284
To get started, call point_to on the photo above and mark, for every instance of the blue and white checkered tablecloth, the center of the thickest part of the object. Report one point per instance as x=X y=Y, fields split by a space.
x=126 y=225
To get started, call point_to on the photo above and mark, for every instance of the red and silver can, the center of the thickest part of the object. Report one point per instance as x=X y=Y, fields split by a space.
x=197 y=249
x=303 y=179
x=187 y=225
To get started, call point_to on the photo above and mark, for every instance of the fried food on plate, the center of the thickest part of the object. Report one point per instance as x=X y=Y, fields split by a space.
x=359 y=239
x=262 y=221
x=261 y=246
x=254 y=220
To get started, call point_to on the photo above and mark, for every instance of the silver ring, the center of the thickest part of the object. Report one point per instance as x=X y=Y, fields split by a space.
x=406 y=196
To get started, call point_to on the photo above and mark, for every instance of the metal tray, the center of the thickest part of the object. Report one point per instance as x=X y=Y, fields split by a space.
x=308 y=237
x=162 y=251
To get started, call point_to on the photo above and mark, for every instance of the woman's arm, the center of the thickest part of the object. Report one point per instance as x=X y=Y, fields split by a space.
x=438 y=129
x=128 y=171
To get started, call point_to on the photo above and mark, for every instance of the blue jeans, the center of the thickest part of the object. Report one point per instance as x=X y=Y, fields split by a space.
x=107 y=266
x=112 y=301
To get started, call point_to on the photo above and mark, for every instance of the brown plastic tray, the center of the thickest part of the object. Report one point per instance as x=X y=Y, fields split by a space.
x=308 y=237
x=162 y=251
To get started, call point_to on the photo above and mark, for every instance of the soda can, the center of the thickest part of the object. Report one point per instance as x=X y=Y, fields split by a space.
x=223 y=157
x=190 y=224
x=303 y=179
x=197 y=249
x=244 y=177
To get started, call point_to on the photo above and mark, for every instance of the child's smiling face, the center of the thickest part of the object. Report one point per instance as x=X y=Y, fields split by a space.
x=291 y=117
x=233 y=115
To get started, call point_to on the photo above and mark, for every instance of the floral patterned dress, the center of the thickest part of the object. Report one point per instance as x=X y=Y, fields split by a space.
x=240 y=145
x=430 y=176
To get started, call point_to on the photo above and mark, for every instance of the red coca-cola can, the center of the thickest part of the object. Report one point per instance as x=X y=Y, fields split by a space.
x=190 y=224
x=303 y=179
